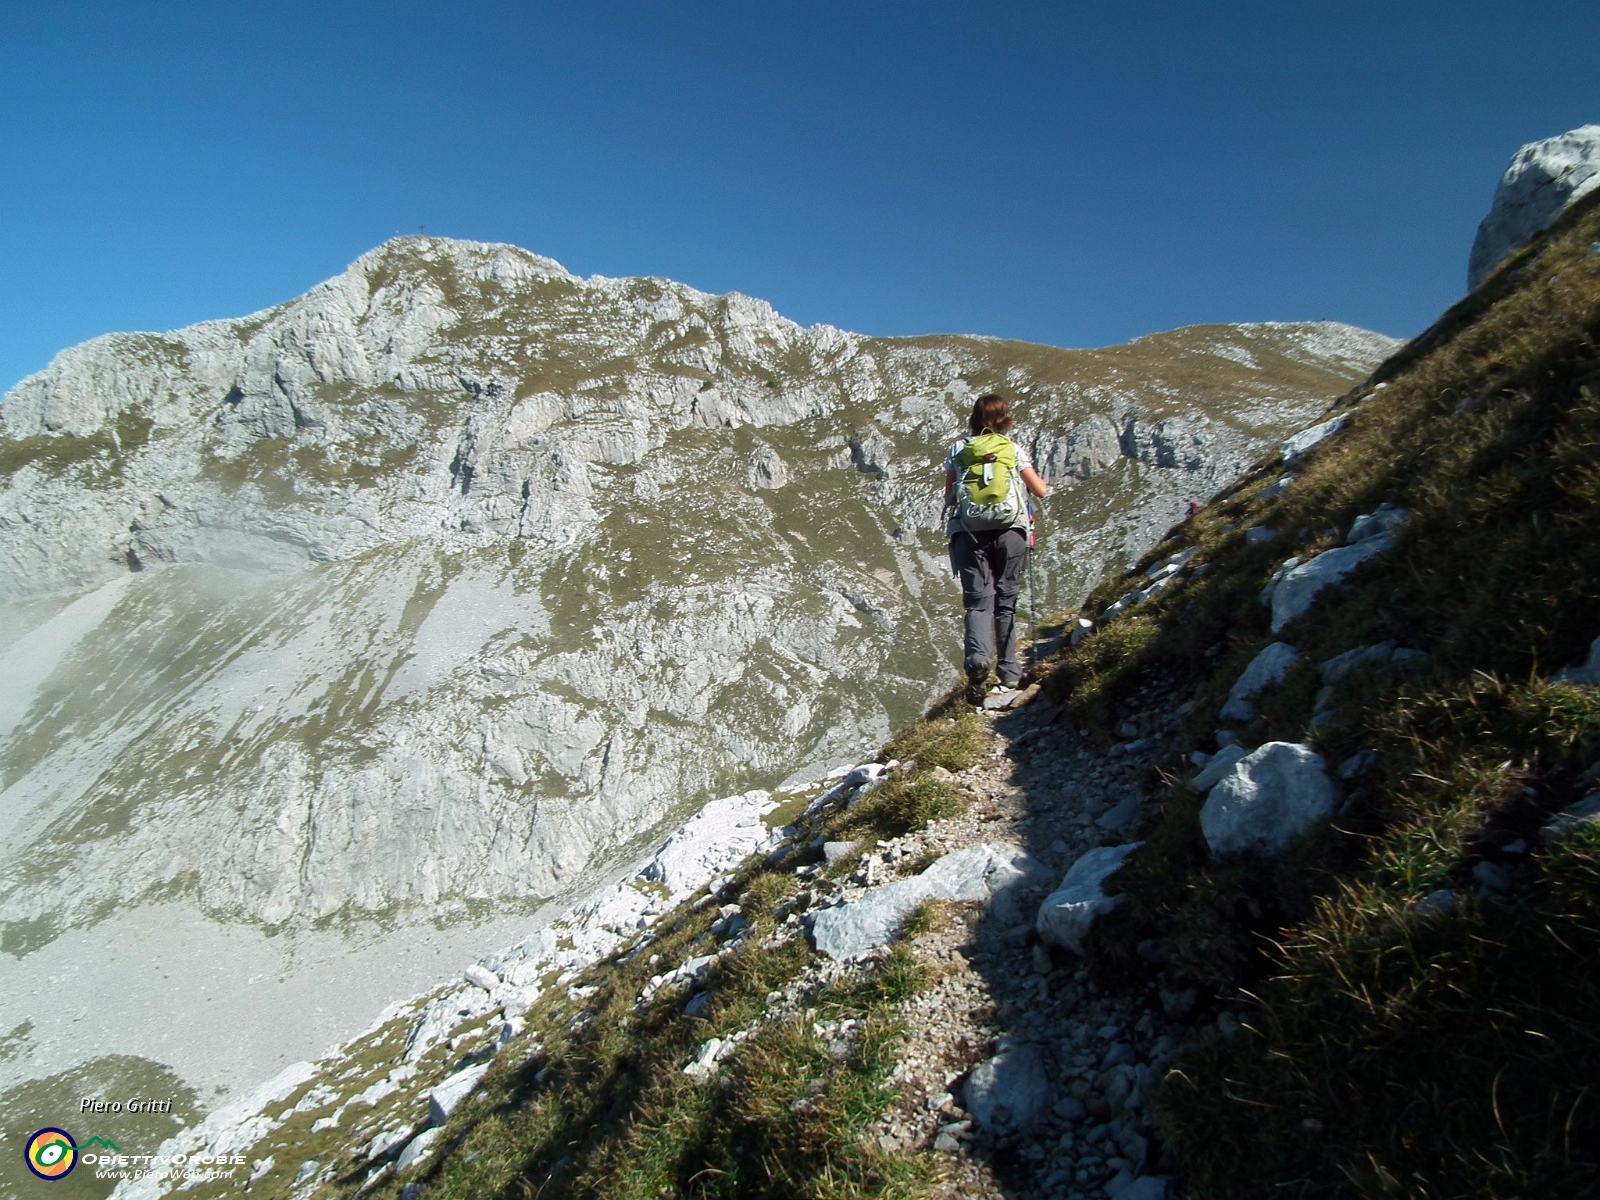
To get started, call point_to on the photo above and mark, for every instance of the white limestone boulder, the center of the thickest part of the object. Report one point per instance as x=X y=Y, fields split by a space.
x=993 y=874
x=1071 y=910
x=1266 y=671
x=1388 y=518
x=1294 y=447
x=1293 y=594
x=417 y=1149
x=447 y=1096
x=1543 y=179
x=1267 y=799
x=1009 y=1091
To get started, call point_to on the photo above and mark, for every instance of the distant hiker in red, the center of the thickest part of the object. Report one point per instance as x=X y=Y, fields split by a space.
x=986 y=480
x=1193 y=508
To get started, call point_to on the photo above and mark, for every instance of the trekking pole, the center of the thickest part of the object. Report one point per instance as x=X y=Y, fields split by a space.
x=1033 y=591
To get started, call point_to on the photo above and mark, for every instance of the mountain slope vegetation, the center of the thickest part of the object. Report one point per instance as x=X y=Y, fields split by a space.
x=1400 y=1001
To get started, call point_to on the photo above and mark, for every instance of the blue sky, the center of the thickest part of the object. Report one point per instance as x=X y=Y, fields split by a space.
x=1070 y=173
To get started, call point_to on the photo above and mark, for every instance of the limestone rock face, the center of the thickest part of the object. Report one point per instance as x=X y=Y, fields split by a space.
x=459 y=579
x=1543 y=178
x=460 y=572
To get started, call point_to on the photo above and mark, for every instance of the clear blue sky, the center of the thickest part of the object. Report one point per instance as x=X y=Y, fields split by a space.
x=1070 y=173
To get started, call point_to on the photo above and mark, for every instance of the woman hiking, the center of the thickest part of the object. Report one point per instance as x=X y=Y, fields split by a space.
x=984 y=477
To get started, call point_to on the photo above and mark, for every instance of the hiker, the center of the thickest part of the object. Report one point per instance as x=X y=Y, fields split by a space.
x=989 y=527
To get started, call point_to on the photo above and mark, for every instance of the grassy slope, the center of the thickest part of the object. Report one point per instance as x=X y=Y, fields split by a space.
x=1394 y=1053
x=1390 y=1053
x=593 y=1100
x=1384 y=1052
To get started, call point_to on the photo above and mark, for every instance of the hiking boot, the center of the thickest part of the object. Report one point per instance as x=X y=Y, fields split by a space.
x=977 y=686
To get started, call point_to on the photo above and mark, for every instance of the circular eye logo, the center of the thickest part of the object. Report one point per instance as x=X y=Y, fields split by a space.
x=52 y=1154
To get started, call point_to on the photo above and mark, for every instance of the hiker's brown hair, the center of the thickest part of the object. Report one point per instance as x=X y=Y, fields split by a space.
x=990 y=413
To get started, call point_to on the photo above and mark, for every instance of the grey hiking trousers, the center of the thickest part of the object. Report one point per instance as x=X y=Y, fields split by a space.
x=989 y=566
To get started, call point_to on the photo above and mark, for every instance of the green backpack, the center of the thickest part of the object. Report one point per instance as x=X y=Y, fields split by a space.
x=988 y=491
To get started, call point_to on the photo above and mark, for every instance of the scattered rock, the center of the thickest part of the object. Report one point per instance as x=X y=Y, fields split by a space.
x=1389 y=518
x=1218 y=766
x=1268 y=798
x=1266 y=670
x=1435 y=904
x=989 y=873
x=1357 y=764
x=1340 y=665
x=1143 y=1187
x=481 y=977
x=1081 y=628
x=1493 y=876
x=1121 y=815
x=1070 y=1109
x=1300 y=585
x=418 y=1148
x=447 y=1097
x=1067 y=914
x=1009 y=1091
x=1259 y=535
x=1284 y=568
x=865 y=773
x=1277 y=489
x=834 y=851
x=1564 y=824
x=1292 y=448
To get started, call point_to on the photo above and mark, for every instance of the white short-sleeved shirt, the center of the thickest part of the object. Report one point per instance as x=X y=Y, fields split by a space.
x=1024 y=463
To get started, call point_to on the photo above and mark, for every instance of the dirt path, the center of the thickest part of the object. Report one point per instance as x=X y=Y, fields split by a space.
x=998 y=990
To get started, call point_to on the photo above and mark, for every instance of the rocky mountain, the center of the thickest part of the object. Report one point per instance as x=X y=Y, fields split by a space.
x=1286 y=868
x=1543 y=179
x=429 y=596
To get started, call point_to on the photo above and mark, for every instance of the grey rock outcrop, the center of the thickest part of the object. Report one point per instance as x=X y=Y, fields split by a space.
x=1297 y=583
x=1068 y=913
x=418 y=1149
x=1267 y=799
x=992 y=874
x=1543 y=179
